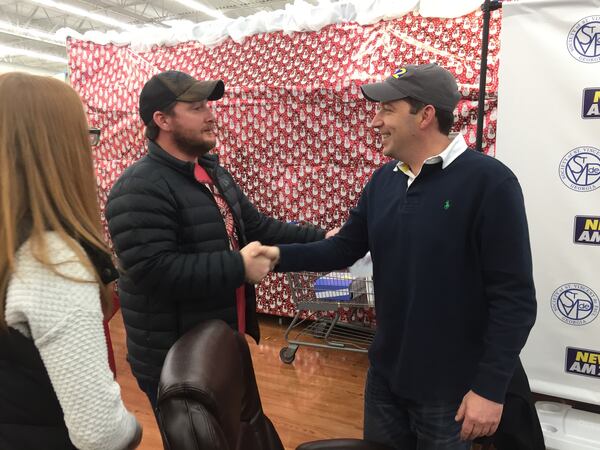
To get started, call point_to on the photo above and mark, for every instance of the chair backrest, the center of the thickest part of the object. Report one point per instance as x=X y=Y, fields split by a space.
x=207 y=396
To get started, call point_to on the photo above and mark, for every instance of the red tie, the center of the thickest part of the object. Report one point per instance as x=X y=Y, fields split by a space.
x=240 y=293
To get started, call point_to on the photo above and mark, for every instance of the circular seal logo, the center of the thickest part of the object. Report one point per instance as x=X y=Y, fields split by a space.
x=583 y=41
x=580 y=169
x=575 y=304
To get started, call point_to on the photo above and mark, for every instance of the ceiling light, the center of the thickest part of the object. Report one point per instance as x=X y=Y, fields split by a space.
x=202 y=8
x=83 y=13
x=30 y=33
x=12 y=51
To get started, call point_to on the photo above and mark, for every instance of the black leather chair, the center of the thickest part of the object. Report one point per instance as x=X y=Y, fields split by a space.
x=208 y=398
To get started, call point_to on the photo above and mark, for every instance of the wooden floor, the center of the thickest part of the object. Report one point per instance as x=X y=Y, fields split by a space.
x=318 y=396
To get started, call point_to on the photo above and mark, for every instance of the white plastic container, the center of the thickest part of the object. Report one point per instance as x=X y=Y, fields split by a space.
x=566 y=428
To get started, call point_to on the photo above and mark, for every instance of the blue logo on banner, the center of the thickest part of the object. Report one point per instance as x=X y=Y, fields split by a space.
x=575 y=304
x=582 y=362
x=587 y=230
x=580 y=169
x=583 y=41
x=591 y=104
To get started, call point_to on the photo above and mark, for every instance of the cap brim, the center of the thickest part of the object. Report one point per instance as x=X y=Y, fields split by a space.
x=203 y=90
x=381 y=92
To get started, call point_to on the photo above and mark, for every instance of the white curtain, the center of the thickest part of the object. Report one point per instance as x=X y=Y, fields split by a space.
x=297 y=16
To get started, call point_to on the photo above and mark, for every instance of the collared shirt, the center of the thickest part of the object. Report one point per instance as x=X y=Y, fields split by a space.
x=448 y=155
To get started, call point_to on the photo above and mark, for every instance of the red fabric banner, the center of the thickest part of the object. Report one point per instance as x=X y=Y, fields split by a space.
x=293 y=126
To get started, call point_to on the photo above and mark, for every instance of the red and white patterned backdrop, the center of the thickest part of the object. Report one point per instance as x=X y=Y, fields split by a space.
x=293 y=126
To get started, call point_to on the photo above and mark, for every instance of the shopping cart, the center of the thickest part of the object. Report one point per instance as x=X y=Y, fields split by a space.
x=319 y=299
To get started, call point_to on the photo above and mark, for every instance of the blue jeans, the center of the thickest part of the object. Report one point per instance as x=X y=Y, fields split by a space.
x=406 y=425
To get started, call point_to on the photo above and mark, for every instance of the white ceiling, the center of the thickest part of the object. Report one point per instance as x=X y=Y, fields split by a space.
x=37 y=15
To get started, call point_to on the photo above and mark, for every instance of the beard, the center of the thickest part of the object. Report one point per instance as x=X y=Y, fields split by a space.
x=192 y=146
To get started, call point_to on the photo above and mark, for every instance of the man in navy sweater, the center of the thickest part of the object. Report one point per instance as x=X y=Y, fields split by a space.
x=454 y=292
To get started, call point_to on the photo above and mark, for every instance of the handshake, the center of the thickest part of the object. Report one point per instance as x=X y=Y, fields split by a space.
x=259 y=260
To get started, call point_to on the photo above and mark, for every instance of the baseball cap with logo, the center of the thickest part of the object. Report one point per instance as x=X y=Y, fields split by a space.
x=428 y=83
x=174 y=86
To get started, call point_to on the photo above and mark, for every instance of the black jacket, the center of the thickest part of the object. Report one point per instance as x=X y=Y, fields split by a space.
x=176 y=266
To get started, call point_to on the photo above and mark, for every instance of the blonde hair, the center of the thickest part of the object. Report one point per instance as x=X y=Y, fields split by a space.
x=47 y=178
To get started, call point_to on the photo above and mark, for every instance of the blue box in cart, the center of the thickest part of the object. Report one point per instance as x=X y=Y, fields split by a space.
x=334 y=286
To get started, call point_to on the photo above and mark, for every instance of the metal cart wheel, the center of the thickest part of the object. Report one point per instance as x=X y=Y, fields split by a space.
x=287 y=355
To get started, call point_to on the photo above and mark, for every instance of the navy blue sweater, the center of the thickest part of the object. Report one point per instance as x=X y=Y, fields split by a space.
x=452 y=275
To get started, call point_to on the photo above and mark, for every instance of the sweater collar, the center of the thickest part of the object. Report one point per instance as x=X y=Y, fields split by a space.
x=446 y=157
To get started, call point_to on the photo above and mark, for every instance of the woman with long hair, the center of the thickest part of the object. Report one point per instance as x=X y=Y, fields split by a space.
x=56 y=388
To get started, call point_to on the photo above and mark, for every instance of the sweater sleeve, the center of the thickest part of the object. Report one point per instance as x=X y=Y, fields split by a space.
x=509 y=289
x=64 y=318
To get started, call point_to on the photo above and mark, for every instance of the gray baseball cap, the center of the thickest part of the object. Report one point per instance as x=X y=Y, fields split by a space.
x=428 y=83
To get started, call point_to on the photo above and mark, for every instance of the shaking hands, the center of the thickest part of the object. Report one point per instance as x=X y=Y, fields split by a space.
x=259 y=260
x=332 y=232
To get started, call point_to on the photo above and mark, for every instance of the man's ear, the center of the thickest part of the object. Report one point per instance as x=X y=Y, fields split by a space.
x=161 y=120
x=427 y=116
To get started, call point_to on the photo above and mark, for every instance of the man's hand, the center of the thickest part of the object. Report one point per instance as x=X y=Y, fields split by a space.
x=332 y=232
x=256 y=265
x=479 y=416
x=270 y=252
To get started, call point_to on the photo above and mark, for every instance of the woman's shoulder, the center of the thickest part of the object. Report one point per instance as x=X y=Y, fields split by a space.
x=49 y=284
x=62 y=255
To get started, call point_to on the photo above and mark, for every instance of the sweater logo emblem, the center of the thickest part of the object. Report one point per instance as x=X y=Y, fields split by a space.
x=575 y=304
x=446 y=205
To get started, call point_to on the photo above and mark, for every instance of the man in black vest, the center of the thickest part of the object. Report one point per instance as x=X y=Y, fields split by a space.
x=183 y=229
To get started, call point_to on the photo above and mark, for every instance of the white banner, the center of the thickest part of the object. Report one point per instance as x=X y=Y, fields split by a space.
x=549 y=135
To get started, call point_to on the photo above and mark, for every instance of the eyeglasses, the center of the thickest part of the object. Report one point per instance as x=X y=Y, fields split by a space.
x=94 y=134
